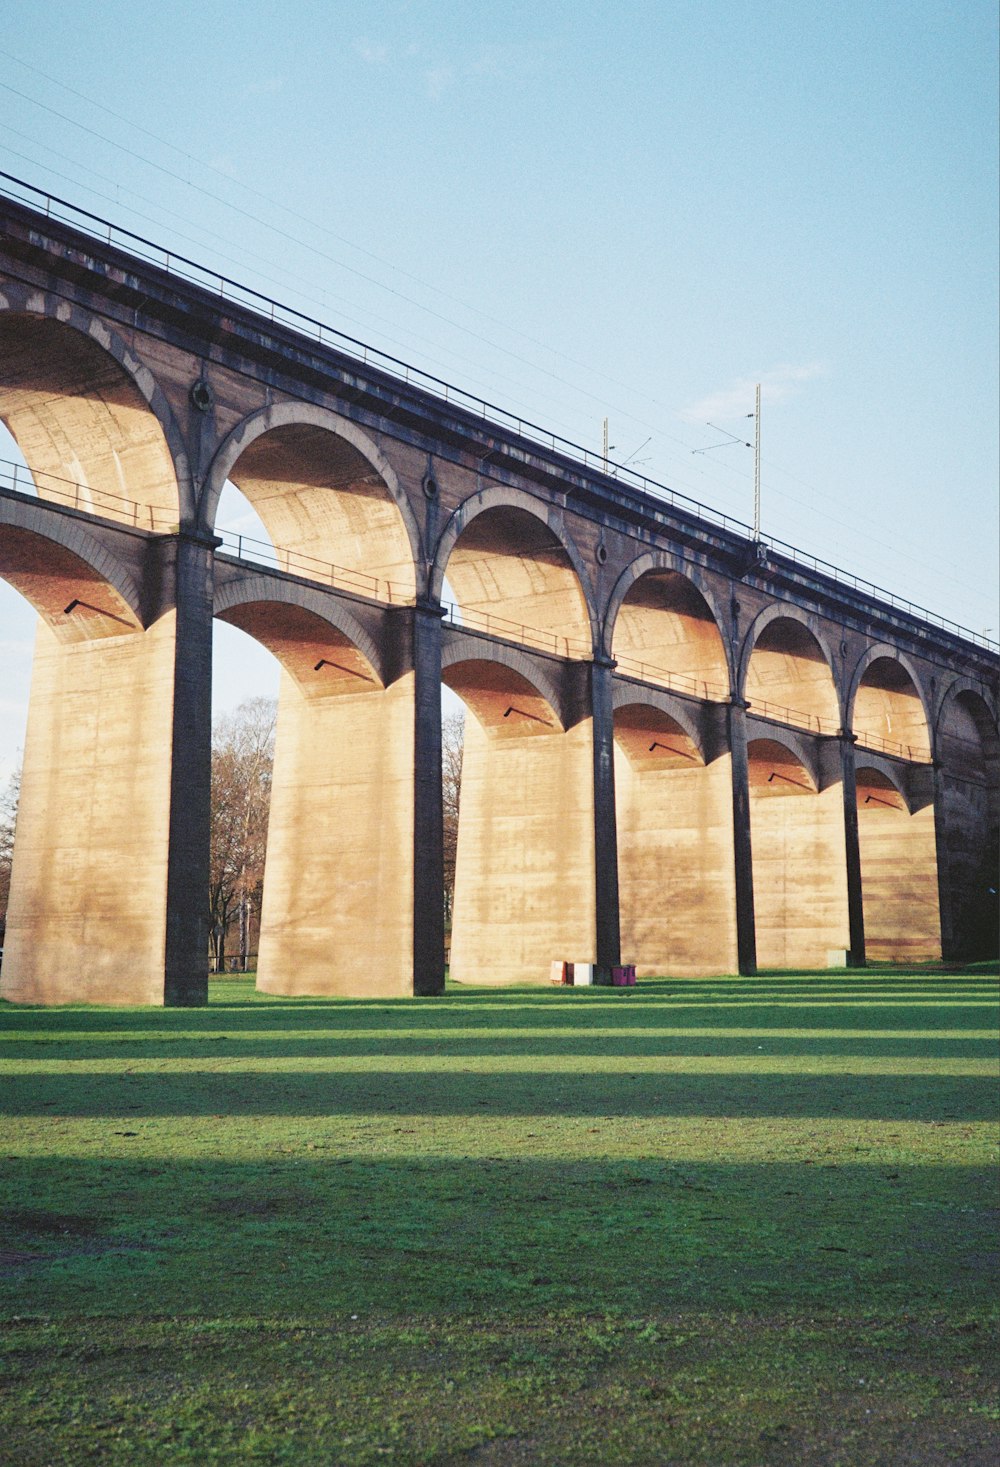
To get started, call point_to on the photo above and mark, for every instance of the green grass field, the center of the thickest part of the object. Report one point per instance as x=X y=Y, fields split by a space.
x=723 y=1221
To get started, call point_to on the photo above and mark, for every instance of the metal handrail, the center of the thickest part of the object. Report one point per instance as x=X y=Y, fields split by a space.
x=84 y=497
x=472 y=619
x=261 y=552
x=812 y=722
x=231 y=291
x=891 y=746
x=679 y=682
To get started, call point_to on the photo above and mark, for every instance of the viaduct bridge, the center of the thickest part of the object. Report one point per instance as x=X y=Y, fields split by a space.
x=685 y=750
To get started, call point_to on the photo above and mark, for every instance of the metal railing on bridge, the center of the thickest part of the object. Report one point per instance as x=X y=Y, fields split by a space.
x=677 y=682
x=472 y=619
x=916 y=754
x=489 y=413
x=294 y=562
x=84 y=497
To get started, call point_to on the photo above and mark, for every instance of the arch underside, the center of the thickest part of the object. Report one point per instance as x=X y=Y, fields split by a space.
x=888 y=711
x=511 y=576
x=665 y=633
x=321 y=659
x=71 y=596
x=88 y=435
x=324 y=504
x=788 y=678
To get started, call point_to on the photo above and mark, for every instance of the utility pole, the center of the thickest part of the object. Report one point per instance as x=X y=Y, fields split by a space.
x=756 y=467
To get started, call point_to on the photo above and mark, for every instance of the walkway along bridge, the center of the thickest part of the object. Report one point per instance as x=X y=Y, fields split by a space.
x=685 y=748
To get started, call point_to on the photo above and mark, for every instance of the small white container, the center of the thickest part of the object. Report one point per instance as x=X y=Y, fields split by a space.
x=583 y=975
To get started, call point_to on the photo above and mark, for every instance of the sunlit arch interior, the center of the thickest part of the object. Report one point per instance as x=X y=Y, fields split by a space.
x=321 y=659
x=874 y=787
x=74 y=599
x=665 y=632
x=778 y=771
x=510 y=575
x=652 y=741
x=789 y=678
x=888 y=711
x=324 y=505
x=505 y=703
x=86 y=432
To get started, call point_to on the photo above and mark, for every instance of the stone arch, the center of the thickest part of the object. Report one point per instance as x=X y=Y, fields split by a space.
x=780 y=766
x=657 y=714
x=73 y=582
x=322 y=647
x=460 y=649
x=92 y=422
x=897 y=721
x=676 y=620
x=787 y=662
x=326 y=493
x=543 y=586
x=506 y=703
x=981 y=709
x=873 y=774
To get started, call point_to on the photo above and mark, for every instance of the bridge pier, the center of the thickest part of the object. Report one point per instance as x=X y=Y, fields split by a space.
x=108 y=889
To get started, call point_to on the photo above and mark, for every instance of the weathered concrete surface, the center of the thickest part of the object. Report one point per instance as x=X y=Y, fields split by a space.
x=88 y=902
x=524 y=883
x=799 y=868
x=675 y=849
x=898 y=872
x=337 y=914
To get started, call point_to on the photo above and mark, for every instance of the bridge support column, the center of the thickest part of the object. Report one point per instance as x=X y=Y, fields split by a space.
x=852 y=851
x=608 y=920
x=525 y=867
x=428 y=830
x=746 y=932
x=107 y=901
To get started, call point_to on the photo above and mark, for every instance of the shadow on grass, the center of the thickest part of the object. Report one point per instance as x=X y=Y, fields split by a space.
x=379 y=1091
x=325 y=1233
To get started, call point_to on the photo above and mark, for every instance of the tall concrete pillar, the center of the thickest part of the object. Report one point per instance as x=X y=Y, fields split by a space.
x=852 y=851
x=608 y=934
x=108 y=900
x=899 y=865
x=338 y=909
x=186 y=957
x=525 y=866
x=428 y=831
x=675 y=847
x=746 y=934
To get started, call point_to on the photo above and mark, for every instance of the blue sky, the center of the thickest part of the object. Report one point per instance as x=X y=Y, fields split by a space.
x=634 y=211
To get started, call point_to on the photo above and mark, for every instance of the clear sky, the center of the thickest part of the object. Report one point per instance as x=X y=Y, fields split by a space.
x=632 y=210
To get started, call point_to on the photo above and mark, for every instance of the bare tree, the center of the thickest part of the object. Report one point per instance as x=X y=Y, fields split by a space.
x=8 y=819
x=452 y=742
x=242 y=760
